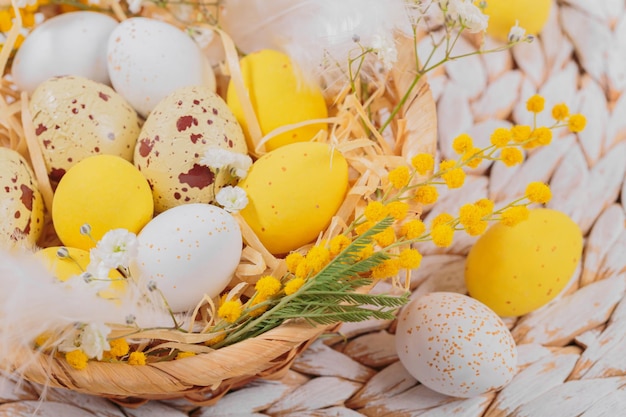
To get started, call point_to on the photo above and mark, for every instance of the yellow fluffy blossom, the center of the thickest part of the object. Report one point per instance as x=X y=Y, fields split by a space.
x=423 y=163
x=485 y=205
x=230 y=310
x=386 y=269
x=469 y=214
x=303 y=270
x=397 y=209
x=399 y=177
x=538 y=192
x=462 y=143
x=454 y=177
x=511 y=156
x=293 y=260
x=576 y=123
x=317 y=258
x=442 y=235
x=472 y=157
x=6 y=21
x=293 y=285
x=409 y=259
x=520 y=133
x=216 y=339
x=477 y=228
x=514 y=215
x=441 y=218
x=366 y=252
x=541 y=136
x=183 y=355
x=385 y=238
x=560 y=112
x=77 y=359
x=42 y=339
x=426 y=194
x=374 y=211
x=413 y=229
x=119 y=347
x=338 y=243
x=364 y=227
x=267 y=286
x=137 y=359
x=501 y=137
x=535 y=104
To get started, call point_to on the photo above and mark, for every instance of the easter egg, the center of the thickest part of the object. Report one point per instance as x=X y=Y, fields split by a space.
x=21 y=204
x=293 y=193
x=66 y=44
x=104 y=191
x=189 y=252
x=64 y=268
x=174 y=139
x=280 y=96
x=515 y=270
x=75 y=118
x=149 y=59
x=455 y=345
x=531 y=15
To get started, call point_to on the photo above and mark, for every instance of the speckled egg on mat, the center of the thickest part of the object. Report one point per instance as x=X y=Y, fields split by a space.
x=75 y=118
x=174 y=139
x=21 y=204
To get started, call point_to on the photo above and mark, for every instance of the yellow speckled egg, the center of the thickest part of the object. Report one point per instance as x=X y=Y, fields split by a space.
x=174 y=139
x=280 y=96
x=75 y=118
x=531 y=15
x=21 y=204
x=515 y=270
x=293 y=193
x=104 y=191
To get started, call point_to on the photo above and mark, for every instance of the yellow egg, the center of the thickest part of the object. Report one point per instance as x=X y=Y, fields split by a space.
x=515 y=270
x=293 y=193
x=280 y=96
x=105 y=191
x=64 y=268
x=532 y=15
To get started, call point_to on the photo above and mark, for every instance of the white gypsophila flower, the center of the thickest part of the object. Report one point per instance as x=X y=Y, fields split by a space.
x=134 y=6
x=516 y=33
x=116 y=249
x=217 y=158
x=471 y=17
x=241 y=165
x=232 y=199
x=385 y=48
x=93 y=340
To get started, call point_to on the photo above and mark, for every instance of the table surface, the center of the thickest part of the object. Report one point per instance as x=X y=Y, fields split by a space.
x=571 y=351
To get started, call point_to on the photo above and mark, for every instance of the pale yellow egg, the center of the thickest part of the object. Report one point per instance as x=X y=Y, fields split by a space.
x=280 y=96
x=293 y=194
x=531 y=15
x=64 y=268
x=104 y=191
x=515 y=270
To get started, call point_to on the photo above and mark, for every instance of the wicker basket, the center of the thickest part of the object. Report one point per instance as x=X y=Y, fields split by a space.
x=203 y=379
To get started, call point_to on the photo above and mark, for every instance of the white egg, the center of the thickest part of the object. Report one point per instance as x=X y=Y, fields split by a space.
x=67 y=44
x=149 y=59
x=189 y=251
x=455 y=345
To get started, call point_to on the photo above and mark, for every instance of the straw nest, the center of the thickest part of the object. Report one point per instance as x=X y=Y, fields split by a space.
x=206 y=377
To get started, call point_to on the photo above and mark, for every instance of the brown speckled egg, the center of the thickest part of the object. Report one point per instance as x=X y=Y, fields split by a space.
x=455 y=345
x=21 y=204
x=174 y=139
x=75 y=118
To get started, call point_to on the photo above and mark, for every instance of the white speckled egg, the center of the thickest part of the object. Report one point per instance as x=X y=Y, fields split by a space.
x=75 y=118
x=455 y=345
x=189 y=251
x=66 y=44
x=21 y=204
x=174 y=139
x=149 y=59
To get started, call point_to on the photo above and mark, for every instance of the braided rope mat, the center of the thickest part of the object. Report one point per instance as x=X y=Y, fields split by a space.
x=572 y=360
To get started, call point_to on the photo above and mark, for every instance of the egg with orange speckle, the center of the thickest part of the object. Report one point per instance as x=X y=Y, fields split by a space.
x=455 y=345
x=189 y=251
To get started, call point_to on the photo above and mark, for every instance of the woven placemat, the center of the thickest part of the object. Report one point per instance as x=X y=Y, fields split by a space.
x=571 y=352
